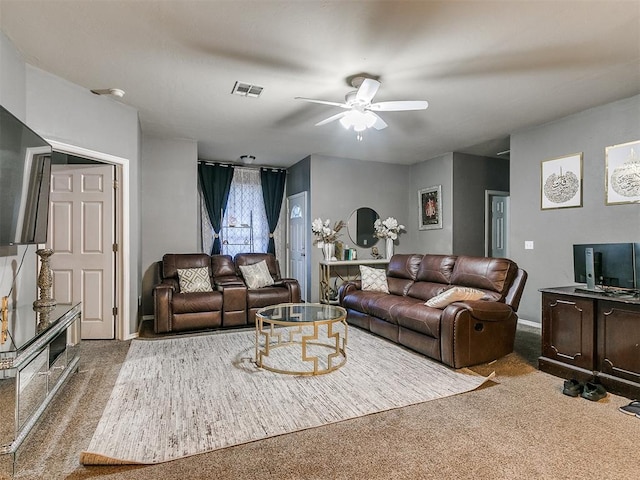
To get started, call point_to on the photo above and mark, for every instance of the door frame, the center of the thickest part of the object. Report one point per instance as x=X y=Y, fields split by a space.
x=122 y=274
x=487 y=219
x=305 y=195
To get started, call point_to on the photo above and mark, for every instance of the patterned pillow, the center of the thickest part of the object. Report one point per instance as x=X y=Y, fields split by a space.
x=373 y=279
x=256 y=275
x=194 y=280
x=455 y=294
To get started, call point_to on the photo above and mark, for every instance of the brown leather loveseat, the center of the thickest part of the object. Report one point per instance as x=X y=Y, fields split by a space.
x=226 y=301
x=460 y=334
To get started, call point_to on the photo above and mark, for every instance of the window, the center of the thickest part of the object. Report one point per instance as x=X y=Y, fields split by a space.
x=244 y=225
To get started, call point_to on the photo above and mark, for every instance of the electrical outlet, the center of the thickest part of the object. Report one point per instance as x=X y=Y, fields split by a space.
x=528 y=244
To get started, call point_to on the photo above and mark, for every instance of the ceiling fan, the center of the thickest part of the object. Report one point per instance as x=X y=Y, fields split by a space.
x=360 y=112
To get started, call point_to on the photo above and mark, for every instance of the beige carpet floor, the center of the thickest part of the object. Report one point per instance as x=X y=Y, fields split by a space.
x=521 y=428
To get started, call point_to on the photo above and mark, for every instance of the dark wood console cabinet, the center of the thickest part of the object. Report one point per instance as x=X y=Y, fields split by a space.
x=591 y=336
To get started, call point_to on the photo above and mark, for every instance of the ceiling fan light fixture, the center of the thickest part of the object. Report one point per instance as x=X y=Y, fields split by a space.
x=360 y=121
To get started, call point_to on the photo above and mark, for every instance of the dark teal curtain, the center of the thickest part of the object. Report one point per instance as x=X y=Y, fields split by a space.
x=215 y=182
x=273 y=182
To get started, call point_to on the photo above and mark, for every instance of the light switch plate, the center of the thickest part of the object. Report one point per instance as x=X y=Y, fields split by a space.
x=528 y=244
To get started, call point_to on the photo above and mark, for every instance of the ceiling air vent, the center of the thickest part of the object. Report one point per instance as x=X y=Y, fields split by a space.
x=247 y=90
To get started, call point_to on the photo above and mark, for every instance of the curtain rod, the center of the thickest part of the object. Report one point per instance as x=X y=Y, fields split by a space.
x=235 y=165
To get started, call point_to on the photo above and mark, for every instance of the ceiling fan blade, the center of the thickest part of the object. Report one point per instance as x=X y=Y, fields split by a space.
x=380 y=124
x=367 y=90
x=323 y=102
x=399 y=106
x=332 y=118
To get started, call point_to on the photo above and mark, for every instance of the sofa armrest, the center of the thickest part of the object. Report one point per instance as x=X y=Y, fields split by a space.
x=487 y=310
x=348 y=287
x=163 y=296
x=293 y=286
x=476 y=332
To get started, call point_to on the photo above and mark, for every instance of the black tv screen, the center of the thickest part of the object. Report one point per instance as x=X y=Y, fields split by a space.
x=25 y=176
x=614 y=264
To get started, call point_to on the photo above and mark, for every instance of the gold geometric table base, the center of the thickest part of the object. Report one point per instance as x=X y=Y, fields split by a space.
x=298 y=347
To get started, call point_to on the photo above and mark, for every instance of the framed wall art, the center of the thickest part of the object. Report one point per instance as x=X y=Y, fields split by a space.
x=622 y=175
x=430 y=208
x=561 y=182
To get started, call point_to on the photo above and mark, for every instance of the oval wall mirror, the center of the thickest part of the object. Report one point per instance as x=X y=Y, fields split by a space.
x=360 y=227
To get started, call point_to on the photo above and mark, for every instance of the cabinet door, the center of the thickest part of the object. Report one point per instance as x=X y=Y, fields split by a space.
x=619 y=340
x=568 y=330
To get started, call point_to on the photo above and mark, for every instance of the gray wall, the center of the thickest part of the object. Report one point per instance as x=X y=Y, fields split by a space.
x=339 y=186
x=13 y=98
x=472 y=176
x=554 y=232
x=62 y=111
x=436 y=171
x=169 y=205
x=59 y=110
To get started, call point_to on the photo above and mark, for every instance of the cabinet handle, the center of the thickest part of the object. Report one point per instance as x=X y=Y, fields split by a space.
x=44 y=373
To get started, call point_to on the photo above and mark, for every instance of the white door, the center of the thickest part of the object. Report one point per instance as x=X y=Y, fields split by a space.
x=497 y=241
x=297 y=241
x=81 y=234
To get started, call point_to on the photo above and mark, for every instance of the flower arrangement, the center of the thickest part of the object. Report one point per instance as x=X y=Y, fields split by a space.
x=323 y=232
x=389 y=228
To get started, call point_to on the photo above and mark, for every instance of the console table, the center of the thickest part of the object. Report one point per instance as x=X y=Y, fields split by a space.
x=592 y=336
x=344 y=270
x=38 y=356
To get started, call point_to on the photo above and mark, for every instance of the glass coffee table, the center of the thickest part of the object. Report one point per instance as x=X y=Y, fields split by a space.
x=301 y=338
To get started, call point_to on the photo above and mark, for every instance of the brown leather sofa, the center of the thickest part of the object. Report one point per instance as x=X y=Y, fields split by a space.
x=230 y=304
x=461 y=334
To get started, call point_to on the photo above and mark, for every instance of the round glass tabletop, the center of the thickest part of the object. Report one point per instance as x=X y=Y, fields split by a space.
x=301 y=312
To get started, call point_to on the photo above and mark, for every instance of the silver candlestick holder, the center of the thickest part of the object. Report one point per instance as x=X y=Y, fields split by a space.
x=45 y=281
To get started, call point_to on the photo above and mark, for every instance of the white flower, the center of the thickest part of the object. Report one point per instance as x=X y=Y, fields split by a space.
x=323 y=231
x=389 y=228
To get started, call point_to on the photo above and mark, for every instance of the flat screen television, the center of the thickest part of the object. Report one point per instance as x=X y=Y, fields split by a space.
x=614 y=264
x=25 y=177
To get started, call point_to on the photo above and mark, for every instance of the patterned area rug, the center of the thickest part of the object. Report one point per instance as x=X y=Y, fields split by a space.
x=179 y=397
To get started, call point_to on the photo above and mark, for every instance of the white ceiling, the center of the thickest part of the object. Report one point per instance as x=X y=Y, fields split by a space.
x=486 y=68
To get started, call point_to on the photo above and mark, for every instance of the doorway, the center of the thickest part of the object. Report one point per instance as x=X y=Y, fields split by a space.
x=121 y=271
x=297 y=240
x=82 y=237
x=496 y=224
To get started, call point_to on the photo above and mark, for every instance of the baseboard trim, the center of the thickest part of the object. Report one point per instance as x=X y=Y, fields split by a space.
x=529 y=323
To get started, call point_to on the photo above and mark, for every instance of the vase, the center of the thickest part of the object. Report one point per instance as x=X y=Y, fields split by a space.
x=45 y=281
x=328 y=250
x=389 y=248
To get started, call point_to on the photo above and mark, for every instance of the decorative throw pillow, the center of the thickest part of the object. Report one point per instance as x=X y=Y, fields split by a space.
x=256 y=275
x=373 y=279
x=455 y=294
x=194 y=280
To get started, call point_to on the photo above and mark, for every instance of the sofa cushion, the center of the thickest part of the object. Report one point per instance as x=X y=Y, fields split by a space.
x=382 y=305
x=436 y=268
x=194 y=280
x=401 y=272
x=492 y=274
x=263 y=297
x=373 y=279
x=196 y=302
x=455 y=294
x=256 y=275
x=426 y=290
x=414 y=315
x=359 y=300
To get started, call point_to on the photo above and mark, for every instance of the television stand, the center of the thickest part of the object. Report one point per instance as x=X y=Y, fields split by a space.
x=592 y=336
x=37 y=358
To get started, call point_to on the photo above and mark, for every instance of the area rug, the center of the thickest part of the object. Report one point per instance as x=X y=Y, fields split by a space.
x=185 y=396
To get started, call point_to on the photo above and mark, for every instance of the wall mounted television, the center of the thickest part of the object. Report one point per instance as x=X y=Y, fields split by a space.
x=25 y=179
x=613 y=264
